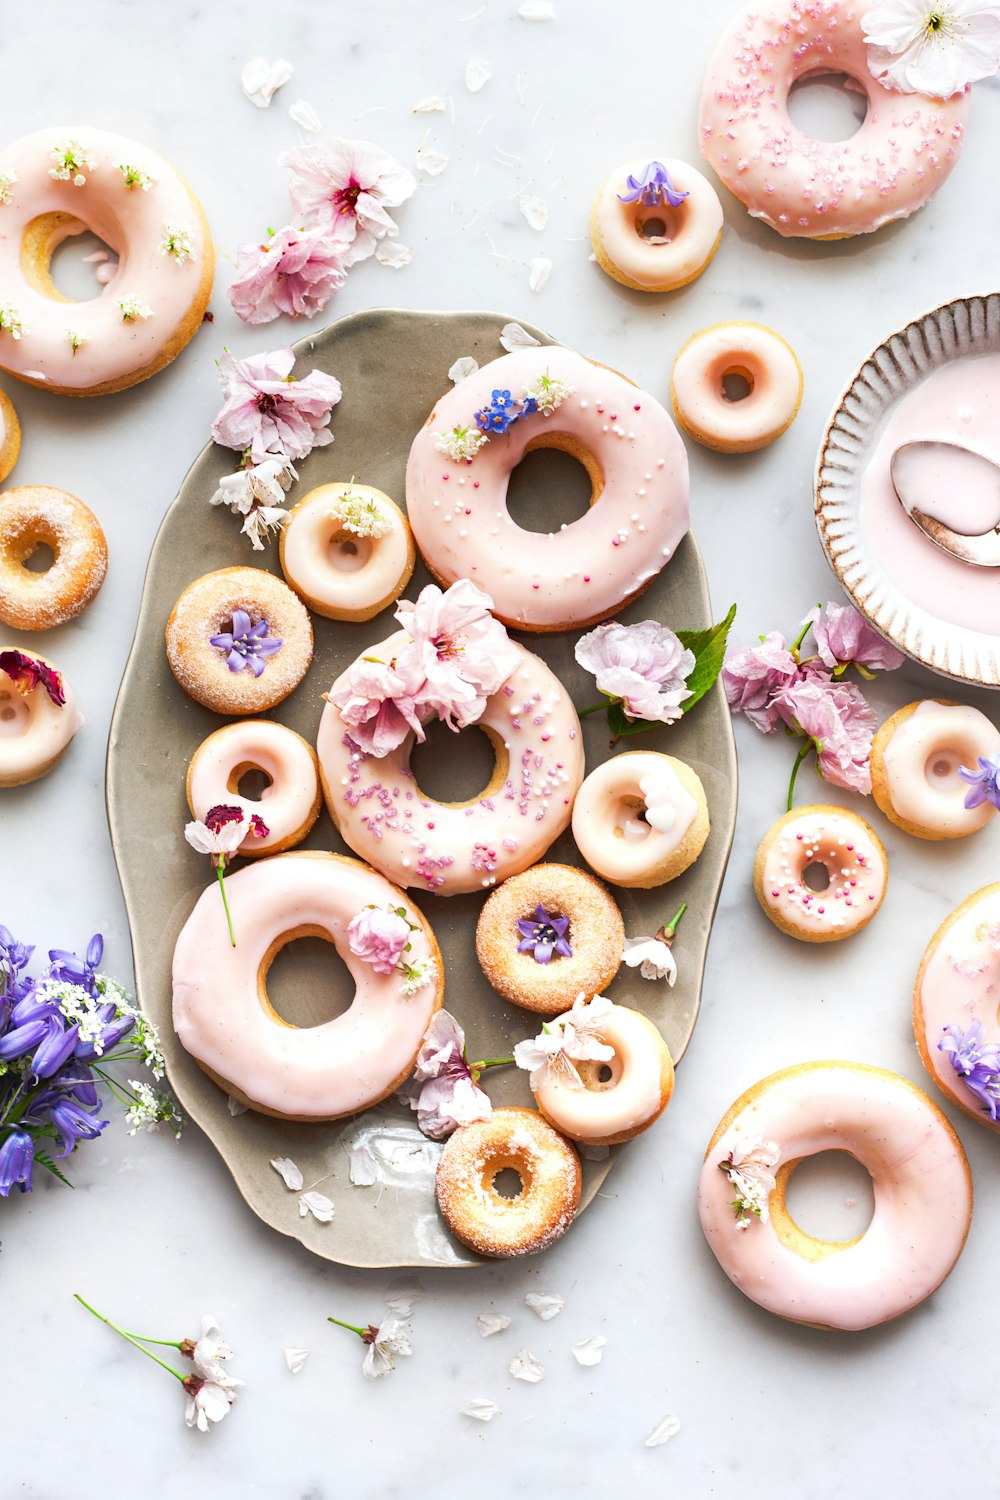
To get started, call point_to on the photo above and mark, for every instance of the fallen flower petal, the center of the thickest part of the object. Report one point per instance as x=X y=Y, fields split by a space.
x=514 y=337
x=667 y=1429
x=590 y=1351
x=545 y=1305
x=534 y=209
x=295 y=1359
x=317 y=1204
x=537 y=10
x=433 y=104
x=462 y=368
x=524 y=1366
x=482 y=1410
x=302 y=114
x=392 y=253
x=491 y=1323
x=539 y=271
x=477 y=74
x=431 y=162
x=364 y=1167
x=260 y=80
x=289 y=1173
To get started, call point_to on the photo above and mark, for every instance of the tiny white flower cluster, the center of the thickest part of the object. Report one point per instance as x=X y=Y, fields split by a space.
x=132 y=308
x=417 y=976
x=461 y=443
x=10 y=321
x=76 y=340
x=363 y=517
x=135 y=177
x=7 y=180
x=748 y=1167
x=258 y=494
x=548 y=393
x=150 y=1108
x=71 y=163
x=178 y=241
x=78 y=1005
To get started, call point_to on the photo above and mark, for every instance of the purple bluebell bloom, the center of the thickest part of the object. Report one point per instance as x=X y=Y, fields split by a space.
x=247 y=645
x=543 y=935
x=74 y=1123
x=112 y=1031
x=19 y=1040
x=17 y=1154
x=654 y=189
x=55 y=1049
x=976 y=1061
x=74 y=970
x=14 y=957
x=984 y=784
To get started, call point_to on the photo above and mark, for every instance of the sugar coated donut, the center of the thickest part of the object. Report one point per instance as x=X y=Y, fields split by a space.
x=10 y=436
x=604 y=1101
x=760 y=357
x=239 y=641
x=894 y=162
x=548 y=935
x=38 y=717
x=347 y=551
x=655 y=225
x=460 y=464
x=921 y=1181
x=34 y=516
x=73 y=180
x=641 y=818
x=484 y=1219
x=222 y=1014
x=288 y=805
x=449 y=847
x=915 y=759
x=850 y=852
x=955 y=1017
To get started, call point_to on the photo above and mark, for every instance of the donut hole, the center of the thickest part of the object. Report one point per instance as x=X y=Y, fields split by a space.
x=65 y=260
x=348 y=552
x=599 y=1076
x=659 y=225
x=816 y=876
x=455 y=768
x=39 y=557
x=827 y=106
x=507 y=1183
x=249 y=782
x=307 y=982
x=14 y=713
x=941 y=768
x=630 y=821
x=736 y=384
x=553 y=485
x=830 y=1196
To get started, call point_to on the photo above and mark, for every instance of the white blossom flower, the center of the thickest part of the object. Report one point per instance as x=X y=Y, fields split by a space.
x=178 y=241
x=589 y=1352
x=295 y=1359
x=359 y=515
x=534 y=209
x=524 y=1366
x=748 y=1167
x=7 y=181
x=132 y=308
x=491 y=1323
x=10 y=321
x=317 y=1204
x=76 y=340
x=150 y=1107
x=514 y=337
x=463 y=368
x=134 y=177
x=207 y=1402
x=346 y=187
x=258 y=484
x=260 y=79
x=663 y=1432
x=226 y=840
x=549 y=393
x=545 y=1305
x=261 y=522
x=417 y=976
x=391 y=1338
x=290 y=1174
x=481 y=1409
x=209 y=1352
x=571 y=1038
x=477 y=74
x=936 y=47
x=302 y=114
x=461 y=443
x=71 y=163
x=651 y=957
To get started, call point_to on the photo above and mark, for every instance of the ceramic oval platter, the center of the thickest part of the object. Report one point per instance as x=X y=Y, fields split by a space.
x=393 y=367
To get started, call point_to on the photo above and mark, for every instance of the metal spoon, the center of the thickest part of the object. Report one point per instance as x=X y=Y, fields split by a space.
x=919 y=471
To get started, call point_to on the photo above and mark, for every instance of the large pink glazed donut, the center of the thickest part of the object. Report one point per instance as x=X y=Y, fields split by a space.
x=899 y=157
x=457 y=476
x=448 y=847
x=65 y=181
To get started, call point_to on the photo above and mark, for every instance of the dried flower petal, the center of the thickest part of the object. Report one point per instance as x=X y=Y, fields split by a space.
x=433 y=104
x=539 y=271
x=431 y=162
x=462 y=368
x=403 y=1296
x=302 y=114
x=491 y=1323
x=317 y=1204
x=546 y=1305
x=392 y=253
x=288 y=1172
x=590 y=1351
x=662 y=1433
x=481 y=1409
x=524 y=1366
x=364 y=1167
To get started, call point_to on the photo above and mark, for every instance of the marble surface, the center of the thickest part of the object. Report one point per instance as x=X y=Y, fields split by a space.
x=155 y=1232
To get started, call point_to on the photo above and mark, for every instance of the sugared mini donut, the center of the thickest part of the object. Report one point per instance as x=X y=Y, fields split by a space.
x=921 y=1181
x=758 y=356
x=850 y=873
x=69 y=180
x=655 y=225
x=347 y=551
x=449 y=847
x=222 y=1014
x=480 y=1216
x=955 y=1018
x=889 y=167
x=915 y=761
x=547 y=935
x=288 y=805
x=641 y=818
x=239 y=641
x=38 y=717
x=35 y=516
x=613 y=1108
x=458 y=472
x=10 y=436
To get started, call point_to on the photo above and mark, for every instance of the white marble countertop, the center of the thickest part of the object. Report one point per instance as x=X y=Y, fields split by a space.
x=155 y=1232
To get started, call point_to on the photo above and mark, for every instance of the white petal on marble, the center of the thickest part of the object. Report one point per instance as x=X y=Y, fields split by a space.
x=668 y=1428
x=236 y=1106
x=403 y=1295
x=524 y=1366
x=534 y=209
x=295 y=1359
x=589 y=1352
x=289 y=1173
x=302 y=114
x=317 y=1204
x=392 y=253
x=545 y=1305
x=539 y=271
x=537 y=10
x=514 y=337
x=364 y=1167
x=464 y=367
x=481 y=1409
x=261 y=79
x=477 y=74
x=491 y=1323
x=432 y=105
x=431 y=162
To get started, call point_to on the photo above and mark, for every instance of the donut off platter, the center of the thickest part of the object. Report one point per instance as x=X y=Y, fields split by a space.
x=157 y=728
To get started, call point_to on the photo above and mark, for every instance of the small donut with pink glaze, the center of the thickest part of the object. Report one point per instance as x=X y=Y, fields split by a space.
x=347 y=551
x=289 y=803
x=916 y=757
x=851 y=872
x=38 y=717
x=750 y=352
x=655 y=225
x=641 y=818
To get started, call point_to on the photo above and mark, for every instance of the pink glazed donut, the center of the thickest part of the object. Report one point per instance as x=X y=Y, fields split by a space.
x=289 y=804
x=899 y=157
x=457 y=476
x=837 y=841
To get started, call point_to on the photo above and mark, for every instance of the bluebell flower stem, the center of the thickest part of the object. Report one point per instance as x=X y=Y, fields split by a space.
x=220 y=870
x=795 y=771
x=134 y=1340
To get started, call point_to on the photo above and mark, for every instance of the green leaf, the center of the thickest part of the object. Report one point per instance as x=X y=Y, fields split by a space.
x=46 y=1161
x=709 y=648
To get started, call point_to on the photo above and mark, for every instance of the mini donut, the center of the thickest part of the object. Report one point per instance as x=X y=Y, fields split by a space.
x=890 y=166
x=641 y=819
x=222 y=678
x=767 y=364
x=347 y=551
x=647 y=242
x=915 y=760
x=289 y=805
x=10 y=436
x=38 y=717
x=855 y=862
x=457 y=477
x=34 y=516
x=224 y=1019
x=955 y=995
x=920 y=1176
x=522 y=909
x=607 y=1111
x=483 y=1219
x=69 y=180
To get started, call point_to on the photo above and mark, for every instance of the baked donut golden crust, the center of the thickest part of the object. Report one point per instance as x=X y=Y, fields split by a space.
x=763 y=359
x=34 y=516
x=633 y=1095
x=347 y=550
x=10 y=436
x=239 y=640
x=482 y=1218
x=915 y=759
x=288 y=805
x=826 y=838
x=641 y=818
x=528 y=923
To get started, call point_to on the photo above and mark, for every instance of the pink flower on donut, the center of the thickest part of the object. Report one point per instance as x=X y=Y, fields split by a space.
x=295 y=272
x=378 y=937
x=267 y=412
x=377 y=701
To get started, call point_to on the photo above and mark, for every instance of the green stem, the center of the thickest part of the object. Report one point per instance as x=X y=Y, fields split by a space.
x=488 y=1062
x=352 y=1326
x=795 y=770
x=793 y=648
x=671 y=926
x=595 y=708
x=220 y=869
x=133 y=1339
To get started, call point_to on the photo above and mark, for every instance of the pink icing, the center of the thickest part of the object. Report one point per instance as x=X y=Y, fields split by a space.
x=901 y=154
x=854 y=862
x=690 y=231
x=611 y=822
x=285 y=805
x=632 y=1098
x=960 y=984
x=585 y=571
x=749 y=349
x=922 y=761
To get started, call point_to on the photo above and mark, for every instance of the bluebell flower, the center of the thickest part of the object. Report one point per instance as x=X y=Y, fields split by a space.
x=74 y=1123
x=247 y=645
x=976 y=1061
x=74 y=970
x=17 y=1154
x=55 y=1049
x=14 y=957
x=654 y=189
x=20 y=1040
x=984 y=784
x=543 y=935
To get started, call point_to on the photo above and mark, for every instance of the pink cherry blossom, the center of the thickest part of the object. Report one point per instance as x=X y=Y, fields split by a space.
x=344 y=188
x=270 y=413
x=377 y=702
x=296 y=272
x=378 y=937
x=845 y=637
x=644 y=665
x=752 y=678
x=442 y=1090
x=839 y=720
x=464 y=653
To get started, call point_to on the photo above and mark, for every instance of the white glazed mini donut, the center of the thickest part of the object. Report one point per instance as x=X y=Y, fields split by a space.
x=347 y=551
x=641 y=819
x=921 y=1181
x=289 y=805
x=767 y=364
x=646 y=239
x=607 y=1111
x=449 y=847
x=33 y=516
x=224 y=1019
x=894 y=162
x=38 y=717
x=66 y=181
x=856 y=869
x=456 y=488
x=915 y=761
x=10 y=436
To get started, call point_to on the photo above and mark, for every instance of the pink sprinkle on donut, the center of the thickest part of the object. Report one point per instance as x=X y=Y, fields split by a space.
x=444 y=476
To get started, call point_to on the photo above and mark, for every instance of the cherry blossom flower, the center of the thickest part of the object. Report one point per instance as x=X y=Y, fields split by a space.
x=838 y=721
x=260 y=79
x=295 y=273
x=377 y=702
x=465 y=653
x=270 y=414
x=643 y=666
x=344 y=188
x=256 y=485
x=748 y=1167
x=206 y=1402
x=753 y=678
x=209 y=1352
x=378 y=937
x=391 y=1338
x=225 y=828
x=936 y=47
x=845 y=639
x=444 y=1088
x=652 y=956
x=561 y=1043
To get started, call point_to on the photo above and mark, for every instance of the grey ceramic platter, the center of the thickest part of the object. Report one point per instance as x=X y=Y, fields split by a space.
x=393 y=367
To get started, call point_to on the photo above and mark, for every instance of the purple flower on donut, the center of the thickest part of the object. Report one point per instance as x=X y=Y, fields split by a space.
x=984 y=783
x=543 y=936
x=976 y=1061
x=378 y=937
x=26 y=672
x=295 y=272
x=268 y=412
x=654 y=189
x=501 y=413
x=643 y=666
x=247 y=645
